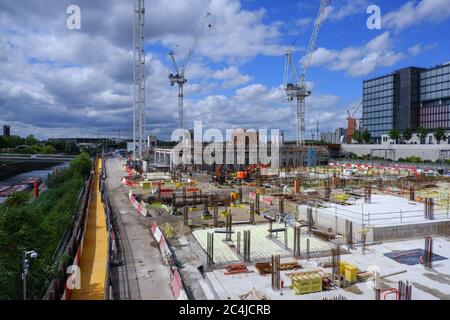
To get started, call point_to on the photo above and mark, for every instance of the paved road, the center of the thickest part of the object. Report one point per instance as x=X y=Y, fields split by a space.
x=143 y=274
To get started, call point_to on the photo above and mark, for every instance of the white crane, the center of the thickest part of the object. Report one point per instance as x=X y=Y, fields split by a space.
x=179 y=76
x=298 y=90
x=139 y=80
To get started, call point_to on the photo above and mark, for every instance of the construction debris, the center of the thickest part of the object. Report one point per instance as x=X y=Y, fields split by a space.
x=266 y=268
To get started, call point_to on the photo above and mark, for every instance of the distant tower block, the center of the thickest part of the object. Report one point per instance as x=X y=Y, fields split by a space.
x=7 y=131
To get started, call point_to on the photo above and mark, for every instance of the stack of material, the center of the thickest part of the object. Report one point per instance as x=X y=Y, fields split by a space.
x=266 y=268
x=236 y=269
x=306 y=282
x=323 y=234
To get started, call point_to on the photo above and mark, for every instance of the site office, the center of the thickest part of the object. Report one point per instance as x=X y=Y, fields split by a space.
x=243 y=147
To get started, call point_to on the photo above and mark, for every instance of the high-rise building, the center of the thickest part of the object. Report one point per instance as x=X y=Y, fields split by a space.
x=378 y=105
x=340 y=135
x=6 y=131
x=407 y=99
x=435 y=97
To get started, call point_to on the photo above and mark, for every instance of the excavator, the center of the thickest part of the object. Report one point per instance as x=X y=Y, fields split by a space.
x=253 y=172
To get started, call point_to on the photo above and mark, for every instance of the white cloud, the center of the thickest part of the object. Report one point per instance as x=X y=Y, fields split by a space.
x=359 y=61
x=231 y=77
x=412 y=13
x=236 y=33
x=257 y=107
x=338 y=11
x=80 y=82
x=304 y=22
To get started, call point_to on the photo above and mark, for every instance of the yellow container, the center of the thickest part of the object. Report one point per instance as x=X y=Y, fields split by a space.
x=350 y=273
x=341 y=268
x=235 y=196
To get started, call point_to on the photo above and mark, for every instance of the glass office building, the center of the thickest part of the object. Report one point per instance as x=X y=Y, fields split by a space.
x=378 y=105
x=408 y=98
x=435 y=98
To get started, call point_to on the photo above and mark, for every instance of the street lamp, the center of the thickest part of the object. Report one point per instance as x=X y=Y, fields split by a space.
x=25 y=266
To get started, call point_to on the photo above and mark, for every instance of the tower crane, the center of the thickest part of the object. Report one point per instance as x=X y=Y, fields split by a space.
x=139 y=80
x=179 y=76
x=315 y=132
x=317 y=126
x=298 y=90
x=351 y=123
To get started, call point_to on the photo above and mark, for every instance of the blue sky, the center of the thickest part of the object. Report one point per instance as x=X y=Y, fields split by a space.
x=79 y=82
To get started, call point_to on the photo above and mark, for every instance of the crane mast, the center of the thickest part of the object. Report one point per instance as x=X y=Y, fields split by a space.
x=179 y=76
x=297 y=90
x=139 y=80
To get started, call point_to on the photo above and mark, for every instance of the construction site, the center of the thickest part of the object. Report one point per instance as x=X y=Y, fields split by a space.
x=307 y=229
x=309 y=233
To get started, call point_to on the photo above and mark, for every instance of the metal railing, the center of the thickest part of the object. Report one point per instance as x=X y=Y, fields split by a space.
x=68 y=244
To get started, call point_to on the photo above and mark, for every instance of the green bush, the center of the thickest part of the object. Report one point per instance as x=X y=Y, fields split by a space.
x=38 y=225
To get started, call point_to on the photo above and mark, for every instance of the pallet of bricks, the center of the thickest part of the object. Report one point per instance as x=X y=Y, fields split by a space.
x=306 y=282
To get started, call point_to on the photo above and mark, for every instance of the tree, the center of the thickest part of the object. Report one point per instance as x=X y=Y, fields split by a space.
x=422 y=132
x=439 y=135
x=82 y=164
x=3 y=142
x=366 y=136
x=71 y=148
x=31 y=140
x=14 y=141
x=394 y=134
x=48 y=149
x=38 y=224
x=357 y=136
x=407 y=135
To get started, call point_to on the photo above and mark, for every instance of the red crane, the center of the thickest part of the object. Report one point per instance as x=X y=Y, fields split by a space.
x=351 y=123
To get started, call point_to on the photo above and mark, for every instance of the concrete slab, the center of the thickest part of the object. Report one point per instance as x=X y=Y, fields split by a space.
x=261 y=246
x=431 y=284
x=384 y=210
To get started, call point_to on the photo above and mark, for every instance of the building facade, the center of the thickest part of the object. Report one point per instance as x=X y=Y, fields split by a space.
x=408 y=98
x=435 y=98
x=6 y=131
x=378 y=105
x=337 y=137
